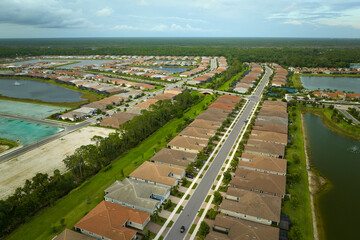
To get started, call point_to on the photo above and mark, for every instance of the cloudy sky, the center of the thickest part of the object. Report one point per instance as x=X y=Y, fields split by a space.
x=175 y=18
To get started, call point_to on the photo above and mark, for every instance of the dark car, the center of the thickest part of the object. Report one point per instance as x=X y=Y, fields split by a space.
x=182 y=229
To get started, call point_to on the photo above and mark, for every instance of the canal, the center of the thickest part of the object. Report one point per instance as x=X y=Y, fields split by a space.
x=337 y=158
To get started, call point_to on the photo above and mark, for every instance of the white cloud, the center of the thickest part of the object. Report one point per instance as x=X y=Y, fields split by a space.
x=105 y=12
x=160 y=28
x=41 y=13
x=125 y=28
x=295 y=22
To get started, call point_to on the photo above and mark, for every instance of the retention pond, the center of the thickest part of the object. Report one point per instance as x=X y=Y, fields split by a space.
x=337 y=158
x=333 y=83
x=24 y=131
x=29 y=89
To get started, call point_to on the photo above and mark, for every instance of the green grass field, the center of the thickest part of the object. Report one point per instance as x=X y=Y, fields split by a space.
x=296 y=81
x=227 y=85
x=299 y=210
x=84 y=198
x=9 y=143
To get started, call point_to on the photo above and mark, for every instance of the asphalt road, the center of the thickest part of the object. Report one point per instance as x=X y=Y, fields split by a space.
x=191 y=209
x=348 y=115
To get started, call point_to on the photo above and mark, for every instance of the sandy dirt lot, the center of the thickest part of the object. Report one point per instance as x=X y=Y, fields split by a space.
x=45 y=159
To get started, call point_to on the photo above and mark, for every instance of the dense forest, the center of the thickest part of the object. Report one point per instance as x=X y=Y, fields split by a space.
x=287 y=52
x=44 y=190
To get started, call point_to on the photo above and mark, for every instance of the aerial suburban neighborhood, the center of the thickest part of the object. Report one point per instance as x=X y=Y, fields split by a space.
x=179 y=120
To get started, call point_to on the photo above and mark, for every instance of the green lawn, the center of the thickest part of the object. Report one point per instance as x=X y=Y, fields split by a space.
x=296 y=81
x=75 y=205
x=9 y=143
x=299 y=207
x=227 y=85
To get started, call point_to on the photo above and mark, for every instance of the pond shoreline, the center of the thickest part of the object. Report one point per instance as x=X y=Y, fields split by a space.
x=313 y=185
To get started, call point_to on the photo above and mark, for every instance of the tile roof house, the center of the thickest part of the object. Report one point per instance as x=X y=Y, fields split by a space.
x=259 y=208
x=138 y=195
x=68 y=234
x=259 y=182
x=146 y=104
x=187 y=144
x=264 y=164
x=111 y=221
x=272 y=119
x=224 y=106
x=269 y=149
x=174 y=158
x=264 y=126
x=267 y=136
x=206 y=124
x=229 y=228
x=198 y=133
x=159 y=174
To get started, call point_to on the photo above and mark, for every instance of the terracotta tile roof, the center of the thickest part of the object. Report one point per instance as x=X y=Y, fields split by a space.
x=156 y=172
x=272 y=103
x=262 y=162
x=107 y=219
x=253 y=204
x=224 y=106
x=239 y=229
x=236 y=99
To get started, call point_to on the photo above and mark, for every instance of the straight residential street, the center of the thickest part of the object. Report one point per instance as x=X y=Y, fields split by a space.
x=191 y=209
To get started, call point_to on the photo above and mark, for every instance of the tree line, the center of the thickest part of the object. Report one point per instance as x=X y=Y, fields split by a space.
x=43 y=190
x=289 y=56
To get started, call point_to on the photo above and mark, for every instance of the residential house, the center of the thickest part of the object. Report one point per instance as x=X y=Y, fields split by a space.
x=269 y=149
x=138 y=195
x=229 y=228
x=187 y=144
x=206 y=124
x=267 y=136
x=112 y=221
x=251 y=206
x=263 y=164
x=68 y=234
x=198 y=133
x=259 y=182
x=158 y=174
x=174 y=158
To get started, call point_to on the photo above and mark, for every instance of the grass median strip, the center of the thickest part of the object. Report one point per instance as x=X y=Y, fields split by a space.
x=76 y=204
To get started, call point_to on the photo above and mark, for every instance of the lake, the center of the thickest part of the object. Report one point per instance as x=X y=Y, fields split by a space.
x=31 y=89
x=338 y=83
x=355 y=65
x=24 y=131
x=171 y=69
x=30 y=110
x=80 y=63
x=337 y=158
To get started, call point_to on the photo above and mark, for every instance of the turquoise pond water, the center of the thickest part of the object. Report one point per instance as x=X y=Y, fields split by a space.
x=31 y=110
x=24 y=131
